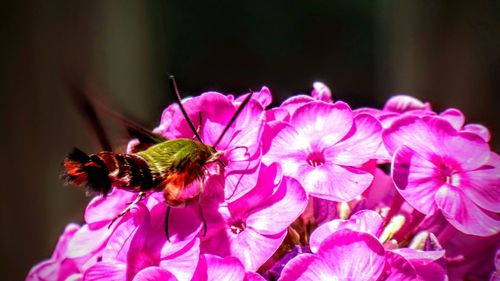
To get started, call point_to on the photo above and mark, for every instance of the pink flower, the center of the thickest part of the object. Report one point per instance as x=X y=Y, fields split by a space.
x=321 y=92
x=437 y=168
x=59 y=266
x=139 y=249
x=401 y=264
x=240 y=145
x=258 y=220
x=324 y=148
x=214 y=268
x=344 y=255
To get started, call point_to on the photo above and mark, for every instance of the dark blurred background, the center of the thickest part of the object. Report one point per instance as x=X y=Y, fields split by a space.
x=444 y=52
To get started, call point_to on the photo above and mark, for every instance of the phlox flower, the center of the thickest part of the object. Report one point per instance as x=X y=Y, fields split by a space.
x=241 y=145
x=435 y=167
x=214 y=268
x=344 y=255
x=253 y=227
x=324 y=147
x=139 y=249
x=400 y=264
x=59 y=267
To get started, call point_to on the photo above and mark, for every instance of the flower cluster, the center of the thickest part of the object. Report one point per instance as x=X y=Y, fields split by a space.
x=308 y=190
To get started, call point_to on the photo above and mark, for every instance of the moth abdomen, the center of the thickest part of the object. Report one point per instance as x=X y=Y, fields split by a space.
x=99 y=172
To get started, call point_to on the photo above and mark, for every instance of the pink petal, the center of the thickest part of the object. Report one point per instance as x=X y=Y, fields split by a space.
x=482 y=186
x=105 y=272
x=464 y=215
x=62 y=244
x=367 y=221
x=353 y=255
x=104 y=209
x=400 y=268
x=240 y=178
x=154 y=273
x=419 y=256
x=183 y=263
x=287 y=148
x=268 y=180
x=243 y=247
x=413 y=132
x=333 y=182
x=88 y=242
x=479 y=130
x=468 y=149
x=264 y=97
x=295 y=102
x=252 y=276
x=323 y=122
x=403 y=103
x=285 y=206
x=118 y=246
x=184 y=225
x=307 y=267
x=277 y=114
x=321 y=92
x=454 y=116
x=413 y=176
x=360 y=145
x=424 y=262
x=223 y=269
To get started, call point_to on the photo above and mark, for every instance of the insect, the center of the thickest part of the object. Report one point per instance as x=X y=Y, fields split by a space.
x=168 y=166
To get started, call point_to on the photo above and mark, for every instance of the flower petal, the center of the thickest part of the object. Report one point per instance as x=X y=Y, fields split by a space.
x=323 y=122
x=183 y=263
x=287 y=148
x=333 y=182
x=281 y=210
x=367 y=221
x=403 y=103
x=413 y=177
x=353 y=255
x=464 y=215
x=454 y=116
x=360 y=145
x=154 y=273
x=479 y=130
x=243 y=247
x=321 y=92
x=307 y=267
x=223 y=269
x=400 y=268
x=105 y=272
x=482 y=186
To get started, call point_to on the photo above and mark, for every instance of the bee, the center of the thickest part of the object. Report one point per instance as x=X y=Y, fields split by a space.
x=170 y=166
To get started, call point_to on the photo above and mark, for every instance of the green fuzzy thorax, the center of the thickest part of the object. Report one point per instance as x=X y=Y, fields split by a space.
x=176 y=156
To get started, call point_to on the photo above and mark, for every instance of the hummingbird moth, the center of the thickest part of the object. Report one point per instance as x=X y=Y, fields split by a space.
x=170 y=166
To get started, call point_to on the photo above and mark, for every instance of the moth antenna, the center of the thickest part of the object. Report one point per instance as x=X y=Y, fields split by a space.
x=83 y=103
x=235 y=115
x=173 y=86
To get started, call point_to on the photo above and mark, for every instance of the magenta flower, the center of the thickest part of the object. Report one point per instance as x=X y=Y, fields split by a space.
x=344 y=255
x=437 y=168
x=401 y=264
x=286 y=176
x=324 y=148
x=59 y=266
x=214 y=268
x=258 y=220
x=139 y=249
x=241 y=145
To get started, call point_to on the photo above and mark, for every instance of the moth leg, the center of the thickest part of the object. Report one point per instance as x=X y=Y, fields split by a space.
x=202 y=187
x=137 y=199
x=203 y=220
x=167 y=215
